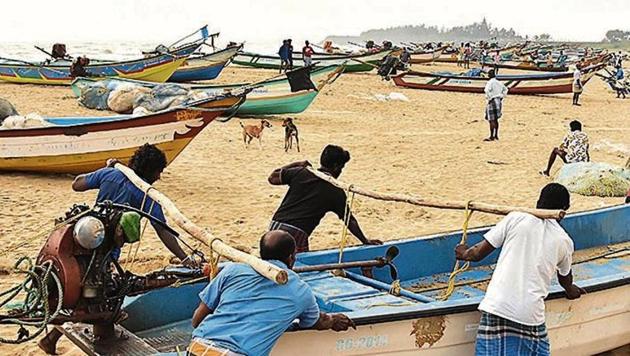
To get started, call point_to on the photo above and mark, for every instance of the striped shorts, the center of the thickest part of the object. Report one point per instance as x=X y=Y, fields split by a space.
x=497 y=336
x=300 y=237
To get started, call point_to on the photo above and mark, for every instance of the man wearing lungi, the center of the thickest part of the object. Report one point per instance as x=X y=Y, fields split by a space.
x=495 y=92
x=533 y=250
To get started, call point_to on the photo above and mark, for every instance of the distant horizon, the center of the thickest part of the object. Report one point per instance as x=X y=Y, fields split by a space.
x=267 y=21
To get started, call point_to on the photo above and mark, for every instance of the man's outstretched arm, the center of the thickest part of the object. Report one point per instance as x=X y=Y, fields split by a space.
x=275 y=178
x=474 y=254
x=170 y=241
x=572 y=291
x=355 y=229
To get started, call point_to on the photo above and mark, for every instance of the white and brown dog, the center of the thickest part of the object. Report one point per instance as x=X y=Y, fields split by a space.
x=254 y=131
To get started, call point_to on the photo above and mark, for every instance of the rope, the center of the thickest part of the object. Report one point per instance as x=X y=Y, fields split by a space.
x=457 y=269
x=35 y=304
x=214 y=262
x=346 y=220
x=395 y=288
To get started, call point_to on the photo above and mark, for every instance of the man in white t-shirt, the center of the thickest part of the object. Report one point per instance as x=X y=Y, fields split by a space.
x=533 y=251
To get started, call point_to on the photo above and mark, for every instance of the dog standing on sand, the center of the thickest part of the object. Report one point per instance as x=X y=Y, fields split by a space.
x=254 y=131
x=290 y=131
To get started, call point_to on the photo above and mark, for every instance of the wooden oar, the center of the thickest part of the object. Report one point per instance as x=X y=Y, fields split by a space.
x=364 y=62
x=266 y=269
x=458 y=205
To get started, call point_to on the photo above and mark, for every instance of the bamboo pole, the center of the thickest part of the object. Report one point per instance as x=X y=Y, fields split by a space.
x=265 y=268
x=458 y=205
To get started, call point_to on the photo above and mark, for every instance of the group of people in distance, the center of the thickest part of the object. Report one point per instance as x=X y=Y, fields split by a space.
x=286 y=55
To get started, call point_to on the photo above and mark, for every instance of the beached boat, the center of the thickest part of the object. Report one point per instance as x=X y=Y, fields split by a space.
x=529 y=66
x=354 y=63
x=525 y=84
x=452 y=55
x=204 y=66
x=155 y=68
x=82 y=144
x=269 y=97
x=415 y=321
x=426 y=57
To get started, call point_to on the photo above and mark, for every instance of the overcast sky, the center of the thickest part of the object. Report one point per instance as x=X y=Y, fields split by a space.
x=267 y=20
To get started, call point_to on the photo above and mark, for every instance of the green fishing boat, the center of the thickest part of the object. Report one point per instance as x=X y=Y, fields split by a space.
x=269 y=97
x=355 y=63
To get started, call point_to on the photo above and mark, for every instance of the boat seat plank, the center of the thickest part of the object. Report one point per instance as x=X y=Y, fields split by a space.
x=339 y=294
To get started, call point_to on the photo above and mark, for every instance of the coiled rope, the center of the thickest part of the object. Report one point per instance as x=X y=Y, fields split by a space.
x=35 y=304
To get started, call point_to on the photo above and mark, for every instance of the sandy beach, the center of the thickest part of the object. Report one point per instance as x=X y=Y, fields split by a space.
x=431 y=146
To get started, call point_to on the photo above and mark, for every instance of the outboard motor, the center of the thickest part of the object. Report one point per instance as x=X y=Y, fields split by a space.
x=388 y=67
x=93 y=284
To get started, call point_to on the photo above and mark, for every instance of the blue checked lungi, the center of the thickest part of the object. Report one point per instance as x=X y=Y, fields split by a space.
x=497 y=336
x=300 y=237
x=494 y=109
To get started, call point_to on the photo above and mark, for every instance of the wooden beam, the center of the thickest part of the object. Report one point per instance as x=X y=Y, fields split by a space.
x=441 y=204
x=204 y=236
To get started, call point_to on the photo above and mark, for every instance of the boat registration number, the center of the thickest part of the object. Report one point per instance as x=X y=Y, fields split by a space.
x=363 y=342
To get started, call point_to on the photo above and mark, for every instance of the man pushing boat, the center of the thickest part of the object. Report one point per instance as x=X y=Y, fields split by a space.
x=309 y=198
x=533 y=250
x=147 y=162
x=244 y=313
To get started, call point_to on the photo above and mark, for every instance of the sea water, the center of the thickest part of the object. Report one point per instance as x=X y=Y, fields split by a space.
x=116 y=51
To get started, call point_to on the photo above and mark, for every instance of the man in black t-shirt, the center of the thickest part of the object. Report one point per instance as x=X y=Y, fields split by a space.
x=309 y=198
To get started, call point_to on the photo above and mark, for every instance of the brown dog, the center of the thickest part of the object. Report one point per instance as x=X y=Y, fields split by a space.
x=254 y=131
x=290 y=131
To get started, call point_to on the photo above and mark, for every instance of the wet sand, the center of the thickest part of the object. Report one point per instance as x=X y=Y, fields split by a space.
x=431 y=146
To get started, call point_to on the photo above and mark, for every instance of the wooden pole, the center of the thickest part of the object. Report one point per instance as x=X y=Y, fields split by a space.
x=458 y=205
x=265 y=268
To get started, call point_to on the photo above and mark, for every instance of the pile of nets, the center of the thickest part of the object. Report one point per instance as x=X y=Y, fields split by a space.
x=27 y=121
x=128 y=97
x=595 y=179
x=6 y=110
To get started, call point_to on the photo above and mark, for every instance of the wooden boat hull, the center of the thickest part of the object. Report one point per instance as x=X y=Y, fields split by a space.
x=84 y=147
x=427 y=57
x=529 y=66
x=205 y=67
x=415 y=322
x=551 y=83
x=575 y=328
x=157 y=68
x=272 y=97
x=273 y=62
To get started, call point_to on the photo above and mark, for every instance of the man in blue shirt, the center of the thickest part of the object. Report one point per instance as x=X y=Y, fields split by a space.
x=283 y=52
x=244 y=313
x=147 y=162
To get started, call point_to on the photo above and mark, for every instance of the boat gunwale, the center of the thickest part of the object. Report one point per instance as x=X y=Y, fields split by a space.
x=129 y=120
x=173 y=56
x=324 y=57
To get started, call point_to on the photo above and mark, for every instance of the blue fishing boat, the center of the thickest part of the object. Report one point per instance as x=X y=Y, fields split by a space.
x=413 y=320
x=157 y=67
x=202 y=66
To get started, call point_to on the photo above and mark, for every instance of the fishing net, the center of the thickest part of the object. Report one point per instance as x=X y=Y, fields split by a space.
x=95 y=97
x=121 y=99
x=595 y=179
x=6 y=109
x=161 y=97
